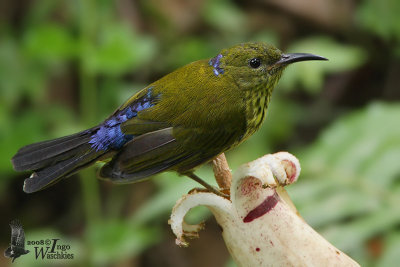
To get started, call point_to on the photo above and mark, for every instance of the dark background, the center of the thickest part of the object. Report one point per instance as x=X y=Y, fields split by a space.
x=65 y=65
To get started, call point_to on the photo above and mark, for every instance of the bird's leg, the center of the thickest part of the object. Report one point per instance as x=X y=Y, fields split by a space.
x=206 y=185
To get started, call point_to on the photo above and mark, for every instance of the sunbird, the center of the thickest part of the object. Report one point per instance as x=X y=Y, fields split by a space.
x=177 y=123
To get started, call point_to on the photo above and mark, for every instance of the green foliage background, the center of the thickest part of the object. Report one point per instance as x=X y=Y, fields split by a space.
x=65 y=65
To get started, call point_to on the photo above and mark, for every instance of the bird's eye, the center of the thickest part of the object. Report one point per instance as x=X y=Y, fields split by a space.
x=255 y=63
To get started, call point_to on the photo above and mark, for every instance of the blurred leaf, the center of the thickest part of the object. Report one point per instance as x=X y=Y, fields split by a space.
x=225 y=16
x=49 y=43
x=310 y=75
x=380 y=17
x=267 y=37
x=360 y=229
x=10 y=72
x=391 y=254
x=187 y=50
x=359 y=136
x=18 y=75
x=120 y=50
x=115 y=240
x=39 y=13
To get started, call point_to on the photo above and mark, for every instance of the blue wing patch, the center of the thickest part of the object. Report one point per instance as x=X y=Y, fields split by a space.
x=110 y=135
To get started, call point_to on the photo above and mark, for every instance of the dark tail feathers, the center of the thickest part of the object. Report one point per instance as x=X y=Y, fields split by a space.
x=55 y=159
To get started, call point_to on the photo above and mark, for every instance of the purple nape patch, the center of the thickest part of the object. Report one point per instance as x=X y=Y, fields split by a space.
x=215 y=63
x=268 y=204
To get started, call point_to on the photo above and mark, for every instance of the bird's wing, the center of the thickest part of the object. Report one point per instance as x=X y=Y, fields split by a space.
x=145 y=155
x=172 y=148
x=17 y=234
x=136 y=126
x=167 y=133
x=149 y=151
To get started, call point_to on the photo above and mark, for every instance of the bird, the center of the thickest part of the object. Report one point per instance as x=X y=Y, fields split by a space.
x=17 y=246
x=177 y=123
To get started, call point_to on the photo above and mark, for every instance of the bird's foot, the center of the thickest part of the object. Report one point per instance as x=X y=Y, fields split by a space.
x=209 y=188
x=212 y=189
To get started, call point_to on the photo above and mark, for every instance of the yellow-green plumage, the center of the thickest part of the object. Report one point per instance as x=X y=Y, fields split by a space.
x=176 y=123
x=211 y=114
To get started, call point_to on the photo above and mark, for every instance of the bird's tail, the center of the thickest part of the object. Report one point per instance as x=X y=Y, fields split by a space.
x=55 y=159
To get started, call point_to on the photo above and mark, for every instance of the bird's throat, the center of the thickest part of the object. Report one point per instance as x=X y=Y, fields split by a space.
x=257 y=101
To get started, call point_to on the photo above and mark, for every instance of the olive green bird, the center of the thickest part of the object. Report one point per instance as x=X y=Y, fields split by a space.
x=177 y=123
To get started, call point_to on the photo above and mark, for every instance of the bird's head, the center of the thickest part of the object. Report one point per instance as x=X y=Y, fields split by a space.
x=254 y=65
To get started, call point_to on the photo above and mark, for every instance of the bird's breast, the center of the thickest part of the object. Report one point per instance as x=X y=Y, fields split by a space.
x=256 y=107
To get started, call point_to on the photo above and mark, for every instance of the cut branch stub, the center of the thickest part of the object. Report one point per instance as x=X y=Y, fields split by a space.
x=222 y=173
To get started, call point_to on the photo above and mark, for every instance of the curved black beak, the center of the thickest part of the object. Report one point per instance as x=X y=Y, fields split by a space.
x=297 y=57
